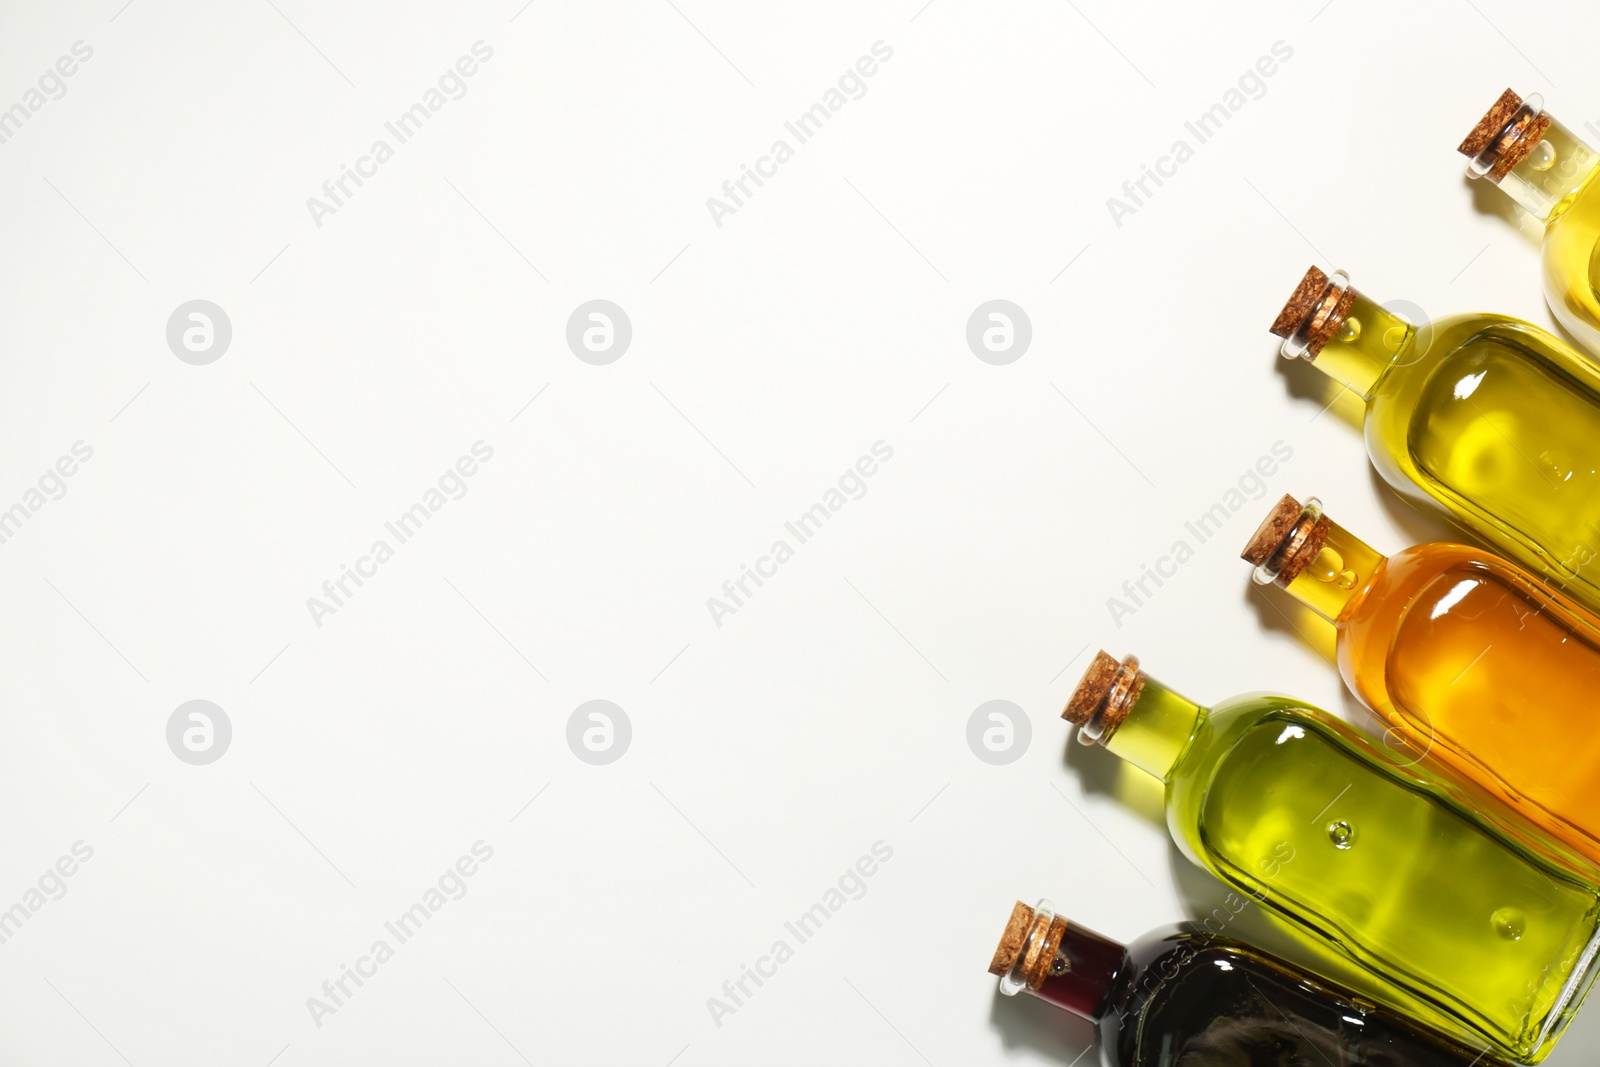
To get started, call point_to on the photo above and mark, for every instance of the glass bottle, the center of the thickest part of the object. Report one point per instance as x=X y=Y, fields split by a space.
x=1452 y=920
x=1182 y=995
x=1550 y=173
x=1487 y=419
x=1468 y=658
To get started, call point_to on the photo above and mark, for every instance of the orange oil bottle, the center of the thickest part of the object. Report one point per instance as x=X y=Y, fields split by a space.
x=1468 y=658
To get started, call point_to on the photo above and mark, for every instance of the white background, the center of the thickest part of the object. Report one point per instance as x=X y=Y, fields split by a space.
x=768 y=354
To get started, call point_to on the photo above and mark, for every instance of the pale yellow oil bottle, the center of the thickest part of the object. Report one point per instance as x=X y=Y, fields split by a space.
x=1550 y=172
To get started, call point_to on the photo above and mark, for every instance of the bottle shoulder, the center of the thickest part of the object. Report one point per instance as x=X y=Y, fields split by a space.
x=1369 y=622
x=1412 y=572
x=1432 y=400
x=1254 y=722
x=1219 y=731
x=1575 y=217
x=1228 y=717
x=1416 y=566
x=1181 y=946
x=1153 y=965
x=1479 y=338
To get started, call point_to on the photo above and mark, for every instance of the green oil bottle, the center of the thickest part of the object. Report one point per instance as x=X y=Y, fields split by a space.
x=1462 y=925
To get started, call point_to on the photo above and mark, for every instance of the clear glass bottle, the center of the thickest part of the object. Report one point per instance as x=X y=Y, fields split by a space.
x=1489 y=420
x=1550 y=173
x=1468 y=658
x=1453 y=921
x=1183 y=995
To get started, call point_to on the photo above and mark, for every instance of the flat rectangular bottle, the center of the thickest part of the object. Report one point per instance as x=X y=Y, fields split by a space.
x=1183 y=995
x=1488 y=420
x=1468 y=658
x=1453 y=921
x=1550 y=172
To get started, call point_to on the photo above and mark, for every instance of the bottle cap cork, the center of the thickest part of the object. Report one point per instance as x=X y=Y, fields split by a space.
x=1488 y=128
x=1026 y=943
x=1315 y=311
x=1012 y=941
x=1288 y=539
x=1104 y=696
x=1504 y=136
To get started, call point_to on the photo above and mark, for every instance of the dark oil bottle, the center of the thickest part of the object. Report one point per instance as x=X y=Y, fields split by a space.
x=1184 y=997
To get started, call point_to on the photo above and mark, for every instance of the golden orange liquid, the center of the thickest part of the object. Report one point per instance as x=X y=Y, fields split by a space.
x=1479 y=666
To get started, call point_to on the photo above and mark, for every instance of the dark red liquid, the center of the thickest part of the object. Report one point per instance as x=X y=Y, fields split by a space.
x=1186 y=998
x=1094 y=961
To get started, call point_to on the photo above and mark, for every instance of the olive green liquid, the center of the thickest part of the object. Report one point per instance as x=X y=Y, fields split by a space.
x=1362 y=855
x=1499 y=423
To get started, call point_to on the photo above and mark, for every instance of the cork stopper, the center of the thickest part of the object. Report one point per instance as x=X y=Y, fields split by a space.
x=1093 y=688
x=1104 y=696
x=1301 y=303
x=1504 y=136
x=1270 y=534
x=1022 y=941
x=1315 y=311
x=1012 y=940
x=1488 y=128
x=1287 y=540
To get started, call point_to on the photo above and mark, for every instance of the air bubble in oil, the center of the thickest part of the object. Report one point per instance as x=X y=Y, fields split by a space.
x=1509 y=923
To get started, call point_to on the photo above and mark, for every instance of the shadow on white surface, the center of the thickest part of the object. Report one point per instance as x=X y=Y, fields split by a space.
x=1025 y=1022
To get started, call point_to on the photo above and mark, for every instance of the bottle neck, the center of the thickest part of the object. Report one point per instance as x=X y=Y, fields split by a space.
x=1363 y=347
x=1546 y=180
x=1157 y=729
x=1081 y=976
x=1338 y=575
